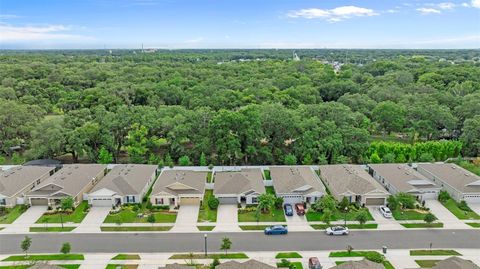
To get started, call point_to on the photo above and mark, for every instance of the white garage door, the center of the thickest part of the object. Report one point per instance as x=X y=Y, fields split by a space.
x=102 y=202
x=430 y=196
x=228 y=200
x=292 y=199
x=375 y=201
x=472 y=199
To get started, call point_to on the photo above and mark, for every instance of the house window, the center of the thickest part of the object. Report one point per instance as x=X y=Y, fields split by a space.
x=3 y=202
x=159 y=201
x=130 y=199
x=254 y=200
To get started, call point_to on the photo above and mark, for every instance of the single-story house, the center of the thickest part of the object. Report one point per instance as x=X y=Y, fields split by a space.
x=125 y=183
x=72 y=180
x=244 y=186
x=460 y=183
x=17 y=181
x=250 y=264
x=455 y=263
x=403 y=178
x=354 y=183
x=296 y=184
x=179 y=187
x=176 y=266
x=363 y=264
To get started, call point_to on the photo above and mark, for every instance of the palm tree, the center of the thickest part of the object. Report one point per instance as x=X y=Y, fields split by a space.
x=266 y=202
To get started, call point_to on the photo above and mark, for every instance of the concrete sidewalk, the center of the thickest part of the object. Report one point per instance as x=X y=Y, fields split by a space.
x=227 y=219
x=449 y=220
x=23 y=222
x=93 y=220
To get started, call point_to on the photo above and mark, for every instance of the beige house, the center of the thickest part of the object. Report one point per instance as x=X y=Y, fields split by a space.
x=17 y=181
x=296 y=184
x=353 y=182
x=250 y=264
x=244 y=186
x=460 y=183
x=125 y=183
x=179 y=187
x=72 y=180
x=400 y=177
x=455 y=263
x=363 y=264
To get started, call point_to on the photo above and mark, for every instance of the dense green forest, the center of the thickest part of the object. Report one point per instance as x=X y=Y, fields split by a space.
x=239 y=106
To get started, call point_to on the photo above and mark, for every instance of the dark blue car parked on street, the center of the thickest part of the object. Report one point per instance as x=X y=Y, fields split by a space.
x=277 y=229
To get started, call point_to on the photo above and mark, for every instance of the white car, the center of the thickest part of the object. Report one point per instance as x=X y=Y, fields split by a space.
x=386 y=212
x=337 y=230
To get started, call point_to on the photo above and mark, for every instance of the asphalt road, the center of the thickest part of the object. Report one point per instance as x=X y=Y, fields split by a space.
x=251 y=241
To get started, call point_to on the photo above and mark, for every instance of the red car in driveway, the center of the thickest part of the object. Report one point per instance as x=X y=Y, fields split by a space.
x=300 y=209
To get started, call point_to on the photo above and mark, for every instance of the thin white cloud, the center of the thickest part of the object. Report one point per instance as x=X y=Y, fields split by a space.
x=8 y=16
x=428 y=10
x=12 y=34
x=446 y=5
x=475 y=3
x=332 y=15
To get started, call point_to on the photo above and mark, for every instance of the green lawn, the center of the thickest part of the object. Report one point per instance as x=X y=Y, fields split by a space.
x=270 y=189
x=210 y=256
x=51 y=257
x=409 y=214
x=51 y=229
x=127 y=215
x=122 y=266
x=136 y=229
x=253 y=227
x=76 y=216
x=277 y=216
x=452 y=206
x=349 y=226
x=205 y=213
x=426 y=263
x=266 y=174
x=11 y=214
x=288 y=255
x=339 y=254
x=474 y=225
x=423 y=225
x=205 y=228
x=317 y=216
x=126 y=257
x=434 y=252
x=209 y=177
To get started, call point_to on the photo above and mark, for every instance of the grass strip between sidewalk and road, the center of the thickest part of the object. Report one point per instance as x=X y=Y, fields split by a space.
x=423 y=225
x=122 y=266
x=205 y=228
x=136 y=229
x=341 y=254
x=474 y=224
x=434 y=252
x=51 y=229
x=288 y=255
x=49 y=257
x=349 y=226
x=209 y=256
x=126 y=257
x=254 y=227
x=67 y=266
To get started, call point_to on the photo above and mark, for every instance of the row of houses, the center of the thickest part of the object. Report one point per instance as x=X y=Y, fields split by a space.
x=101 y=185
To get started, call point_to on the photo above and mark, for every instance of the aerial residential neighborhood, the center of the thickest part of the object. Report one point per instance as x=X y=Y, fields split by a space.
x=239 y=134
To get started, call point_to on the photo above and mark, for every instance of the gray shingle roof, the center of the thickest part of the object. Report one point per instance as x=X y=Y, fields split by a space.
x=343 y=178
x=176 y=266
x=238 y=182
x=454 y=175
x=15 y=179
x=194 y=182
x=363 y=264
x=403 y=177
x=250 y=264
x=455 y=263
x=125 y=179
x=71 y=179
x=289 y=179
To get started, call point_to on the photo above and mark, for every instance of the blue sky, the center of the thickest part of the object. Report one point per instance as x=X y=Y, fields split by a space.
x=239 y=24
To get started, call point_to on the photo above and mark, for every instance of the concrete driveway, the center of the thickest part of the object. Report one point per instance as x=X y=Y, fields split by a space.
x=23 y=223
x=384 y=223
x=449 y=220
x=227 y=219
x=298 y=223
x=475 y=208
x=186 y=219
x=92 y=221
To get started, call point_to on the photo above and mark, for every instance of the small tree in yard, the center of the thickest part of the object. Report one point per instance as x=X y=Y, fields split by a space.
x=392 y=202
x=349 y=249
x=326 y=202
x=361 y=217
x=65 y=248
x=266 y=202
x=226 y=244
x=25 y=245
x=213 y=202
x=327 y=216
x=429 y=218
x=151 y=219
x=215 y=263
x=67 y=203
x=443 y=196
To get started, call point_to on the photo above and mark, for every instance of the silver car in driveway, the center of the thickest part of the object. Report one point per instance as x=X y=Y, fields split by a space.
x=337 y=230
x=385 y=211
